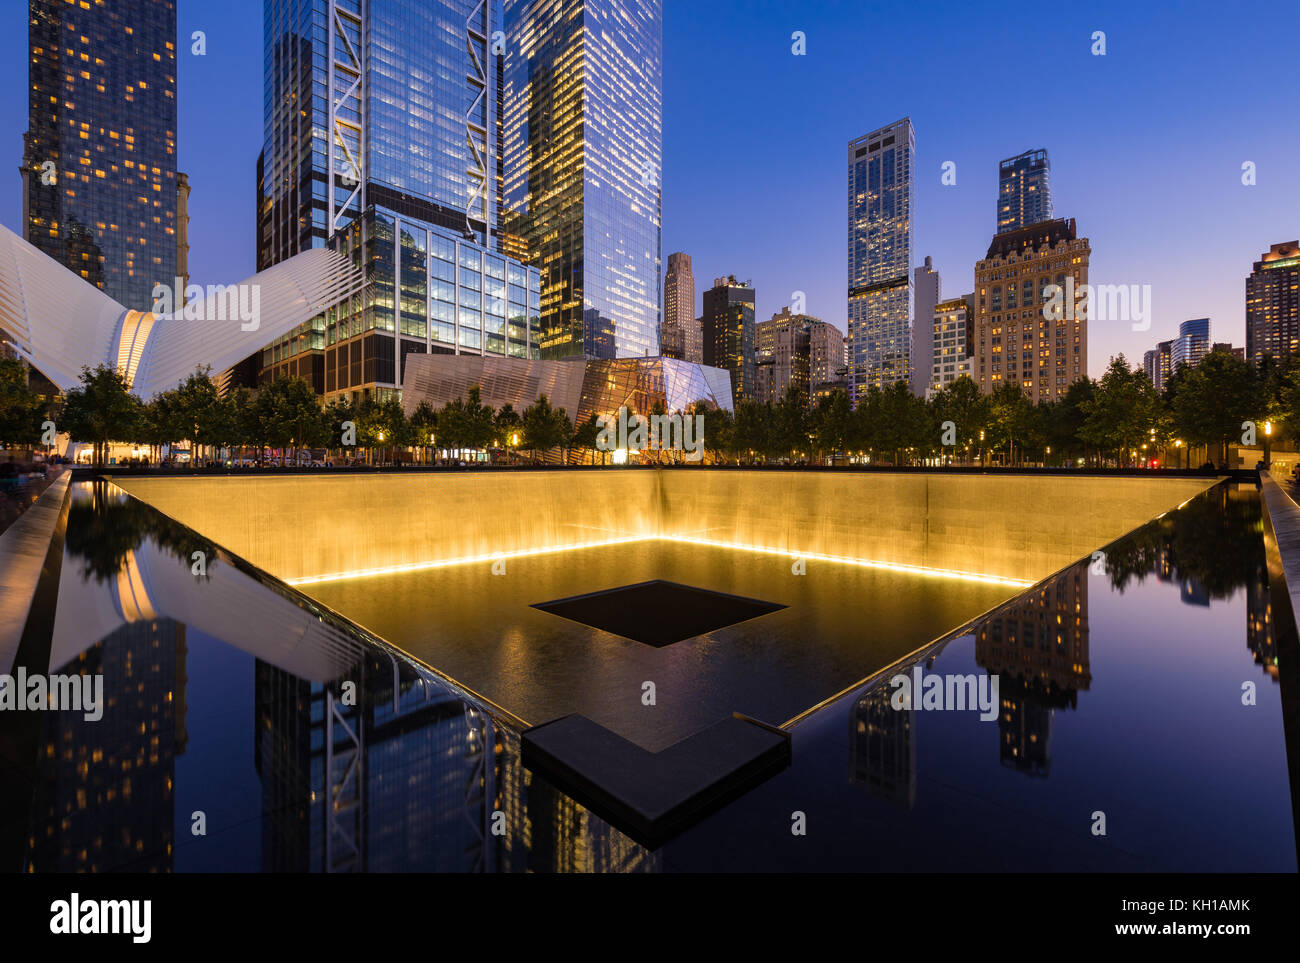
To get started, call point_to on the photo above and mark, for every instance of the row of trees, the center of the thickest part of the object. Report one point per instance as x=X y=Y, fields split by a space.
x=287 y=416
x=1119 y=419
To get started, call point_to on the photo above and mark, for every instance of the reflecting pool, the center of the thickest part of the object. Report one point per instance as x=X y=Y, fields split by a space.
x=297 y=740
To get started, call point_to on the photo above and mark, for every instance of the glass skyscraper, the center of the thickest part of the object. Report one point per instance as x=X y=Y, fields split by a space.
x=582 y=144
x=1191 y=345
x=382 y=139
x=880 y=256
x=99 y=159
x=1024 y=190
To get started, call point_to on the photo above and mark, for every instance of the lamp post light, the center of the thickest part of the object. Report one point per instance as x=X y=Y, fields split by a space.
x=1268 y=443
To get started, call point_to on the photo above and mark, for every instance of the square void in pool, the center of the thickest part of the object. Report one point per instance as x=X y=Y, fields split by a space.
x=658 y=612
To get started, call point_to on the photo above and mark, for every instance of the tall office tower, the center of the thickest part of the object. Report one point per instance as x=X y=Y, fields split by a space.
x=381 y=141
x=681 y=331
x=1273 y=303
x=99 y=158
x=1024 y=190
x=927 y=292
x=880 y=256
x=1191 y=345
x=728 y=330
x=953 y=341
x=583 y=129
x=785 y=341
x=1019 y=337
x=1159 y=363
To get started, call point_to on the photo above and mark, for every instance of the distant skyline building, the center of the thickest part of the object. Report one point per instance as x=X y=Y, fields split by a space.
x=1191 y=345
x=953 y=341
x=582 y=129
x=681 y=329
x=880 y=256
x=382 y=141
x=1024 y=190
x=1016 y=342
x=783 y=350
x=1158 y=363
x=728 y=329
x=927 y=291
x=99 y=157
x=1273 y=303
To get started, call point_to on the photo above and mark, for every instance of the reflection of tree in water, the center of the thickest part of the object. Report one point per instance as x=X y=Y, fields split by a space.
x=1216 y=539
x=105 y=528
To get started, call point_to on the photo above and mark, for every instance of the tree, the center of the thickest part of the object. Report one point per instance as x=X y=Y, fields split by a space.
x=829 y=423
x=1123 y=411
x=197 y=410
x=102 y=409
x=424 y=425
x=790 y=432
x=545 y=427
x=1212 y=400
x=288 y=414
x=1010 y=419
x=338 y=416
x=21 y=409
x=587 y=435
x=382 y=425
x=962 y=403
x=509 y=427
x=719 y=427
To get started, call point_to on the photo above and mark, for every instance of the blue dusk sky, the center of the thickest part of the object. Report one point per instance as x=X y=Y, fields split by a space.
x=1147 y=142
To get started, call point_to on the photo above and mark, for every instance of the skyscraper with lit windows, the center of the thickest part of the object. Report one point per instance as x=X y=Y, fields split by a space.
x=382 y=140
x=99 y=158
x=582 y=135
x=1024 y=190
x=880 y=256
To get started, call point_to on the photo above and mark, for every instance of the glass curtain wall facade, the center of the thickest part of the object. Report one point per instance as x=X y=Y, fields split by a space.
x=396 y=162
x=1024 y=190
x=880 y=256
x=582 y=143
x=99 y=159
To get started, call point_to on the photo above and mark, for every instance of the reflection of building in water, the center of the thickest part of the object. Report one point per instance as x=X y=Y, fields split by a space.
x=105 y=796
x=565 y=838
x=1038 y=648
x=395 y=770
x=408 y=783
x=1259 y=622
x=883 y=754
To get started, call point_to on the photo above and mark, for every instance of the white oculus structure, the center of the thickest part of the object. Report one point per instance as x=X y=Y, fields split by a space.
x=60 y=323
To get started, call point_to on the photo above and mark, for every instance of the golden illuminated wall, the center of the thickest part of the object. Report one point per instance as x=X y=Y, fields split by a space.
x=1010 y=526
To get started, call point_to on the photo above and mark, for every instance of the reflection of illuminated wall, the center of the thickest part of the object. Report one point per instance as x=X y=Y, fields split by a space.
x=1259 y=622
x=1010 y=526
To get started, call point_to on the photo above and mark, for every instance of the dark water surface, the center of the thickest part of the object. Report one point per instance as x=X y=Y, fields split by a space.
x=308 y=745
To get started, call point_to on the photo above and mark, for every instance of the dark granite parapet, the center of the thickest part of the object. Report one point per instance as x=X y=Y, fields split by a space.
x=653 y=796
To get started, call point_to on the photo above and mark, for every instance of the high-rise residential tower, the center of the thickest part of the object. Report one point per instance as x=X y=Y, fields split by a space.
x=1024 y=190
x=99 y=158
x=582 y=132
x=1273 y=303
x=1021 y=338
x=953 y=340
x=783 y=345
x=880 y=256
x=681 y=330
x=1191 y=345
x=381 y=140
x=1158 y=363
x=728 y=328
x=927 y=289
